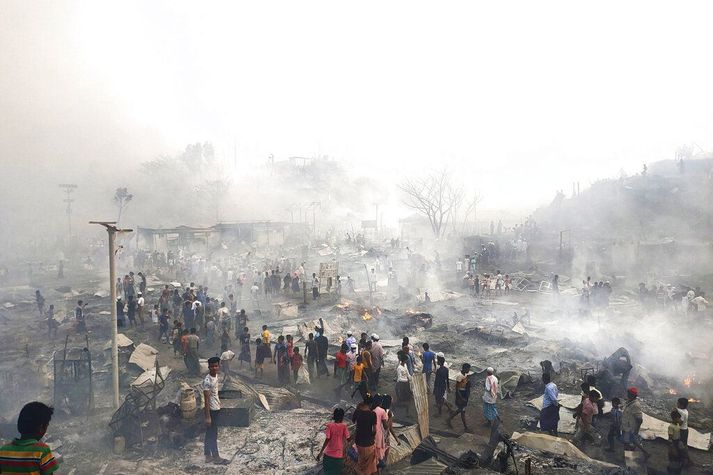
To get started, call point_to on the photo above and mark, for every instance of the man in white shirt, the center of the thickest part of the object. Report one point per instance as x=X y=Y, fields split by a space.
x=350 y=339
x=210 y=387
x=140 y=307
x=490 y=396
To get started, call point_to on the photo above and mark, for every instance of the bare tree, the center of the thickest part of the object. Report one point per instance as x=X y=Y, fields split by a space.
x=216 y=191
x=122 y=198
x=435 y=197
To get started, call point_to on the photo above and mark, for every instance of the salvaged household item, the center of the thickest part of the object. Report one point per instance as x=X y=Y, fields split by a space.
x=73 y=379
x=139 y=407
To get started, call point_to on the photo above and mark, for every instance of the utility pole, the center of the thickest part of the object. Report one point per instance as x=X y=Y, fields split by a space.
x=112 y=230
x=69 y=189
x=314 y=205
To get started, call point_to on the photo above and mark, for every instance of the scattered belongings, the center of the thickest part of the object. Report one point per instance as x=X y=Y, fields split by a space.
x=555 y=445
x=452 y=452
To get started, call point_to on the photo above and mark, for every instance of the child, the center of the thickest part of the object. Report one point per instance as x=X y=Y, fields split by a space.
x=176 y=337
x=615 y=428
x=27 y=454
x=163 y=326
x=155 y=314
x=296 y=362
x=588 y=411
x=359 y=378
x=675 y=450
x=682 y=408
x=290 y=345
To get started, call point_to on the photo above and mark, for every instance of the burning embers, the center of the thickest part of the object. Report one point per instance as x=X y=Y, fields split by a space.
x=368 y=316
x=688 y=382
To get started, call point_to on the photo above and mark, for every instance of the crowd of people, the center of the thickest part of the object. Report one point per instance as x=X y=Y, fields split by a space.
x=487 y=284
x=624 y=423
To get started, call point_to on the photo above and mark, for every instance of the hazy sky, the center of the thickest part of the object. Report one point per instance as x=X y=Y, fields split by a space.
x=521 y=98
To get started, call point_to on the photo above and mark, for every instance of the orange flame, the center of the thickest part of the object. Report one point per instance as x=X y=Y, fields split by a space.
x=690 y=399
x=366 y=316
x=672 y=391
x=689 y=380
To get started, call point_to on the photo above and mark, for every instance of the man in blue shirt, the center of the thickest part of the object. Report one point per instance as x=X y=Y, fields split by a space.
x=428 y=358
x=550 y=413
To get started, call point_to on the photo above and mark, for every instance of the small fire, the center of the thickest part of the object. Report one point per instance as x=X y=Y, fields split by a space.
x=690 y=399
x=366 y=316
x=689 y=380
x=672 y=391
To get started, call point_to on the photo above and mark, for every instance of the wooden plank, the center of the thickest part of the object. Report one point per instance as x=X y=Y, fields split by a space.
x=420 y=399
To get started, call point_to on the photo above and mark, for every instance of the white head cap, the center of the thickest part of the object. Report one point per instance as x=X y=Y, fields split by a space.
x=490 y=369
x=375 y=337
x=349 y=332
x=354 y=346
x=440 y=355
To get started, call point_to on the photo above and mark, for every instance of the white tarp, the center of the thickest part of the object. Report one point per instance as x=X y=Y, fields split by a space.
x=652 y=428
x=144 y=356
x=122 y=341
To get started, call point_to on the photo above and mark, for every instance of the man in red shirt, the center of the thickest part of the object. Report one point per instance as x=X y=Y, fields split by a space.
x=340 y=368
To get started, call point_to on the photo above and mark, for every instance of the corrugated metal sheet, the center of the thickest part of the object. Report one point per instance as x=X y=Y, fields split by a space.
x=409 y=438
x=429 y=467
x=420 y=399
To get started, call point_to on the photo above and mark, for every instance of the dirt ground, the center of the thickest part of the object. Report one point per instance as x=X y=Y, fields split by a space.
x=86 y=442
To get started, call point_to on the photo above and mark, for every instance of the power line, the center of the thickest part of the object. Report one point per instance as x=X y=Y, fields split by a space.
x=69 y=189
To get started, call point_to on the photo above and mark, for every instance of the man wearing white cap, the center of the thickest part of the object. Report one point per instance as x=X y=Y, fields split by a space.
x=350 y=339
x=490 y=397
x=377 y=360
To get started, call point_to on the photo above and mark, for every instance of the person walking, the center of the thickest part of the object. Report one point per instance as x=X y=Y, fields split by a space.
x=335 y=442
x=463 y=386
x=365 y=437
x=428 y=358
x=490 y=397
x=631 y=419
x=403 y=388
x=441 y=384
x=550 y=413
x=245 y=347
x=311 y=354
x=377 y=360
